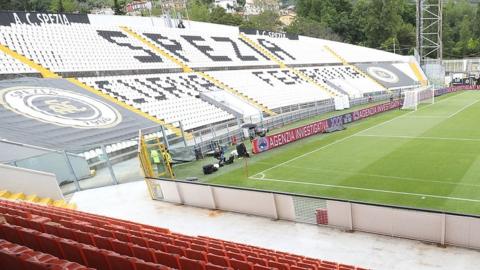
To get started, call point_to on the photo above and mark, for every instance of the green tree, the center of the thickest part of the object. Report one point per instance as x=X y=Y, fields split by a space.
x=476 y=22
x=382 y=22
x=267 y=20
x=118 y=7
x=311 y=28
x=460 y=29
x=220 y=16
x=63 y=6
x=198 y=11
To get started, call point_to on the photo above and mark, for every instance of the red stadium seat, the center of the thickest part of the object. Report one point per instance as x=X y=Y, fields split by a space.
x=95 y=258
x=199 y=242
x=50 y=244
x=294 y=267
x=249 y=253
x=51 y=228
x=35 y=225
x=143 y=253
x=139 y=265
x=117 y=261
x=10 y=233
x=216 y=246
x=267 y=257
x=105 y=233
x=29 y=238
x=170 y=260
x=121 y=248
x=209 y=266
x=180 y=243
x=174 y=249
x=156 y=245
x=261 y=267
x=258 y=261
x=232 y=249
x=83 y=237
x=195 y=255
x=218 y=260
x=102 y=242
x=188 y=264
x=216 y=251
x=162 y=239
x=198 y=247
x=236 y=256
x=72 y=251
x=10 y=261
x=309 y=265
x=68 y=234
x=279 y=266
x=124 y=237
x=239 y=265
x=138 y=240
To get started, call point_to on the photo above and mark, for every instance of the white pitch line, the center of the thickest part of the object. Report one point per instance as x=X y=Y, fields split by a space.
x=388 y=177
x=345 y=138
x=463 y=108
x=368 y=189
x=426 y=116
x=420 y=137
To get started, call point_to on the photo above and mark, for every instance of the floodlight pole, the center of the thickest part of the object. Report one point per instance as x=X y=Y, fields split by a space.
x=429 y=30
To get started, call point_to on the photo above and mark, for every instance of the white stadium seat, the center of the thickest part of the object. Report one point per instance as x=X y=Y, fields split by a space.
x=109 y=59
x=171 y=97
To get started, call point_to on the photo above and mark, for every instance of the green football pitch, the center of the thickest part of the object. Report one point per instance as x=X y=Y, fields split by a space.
x=429 y=159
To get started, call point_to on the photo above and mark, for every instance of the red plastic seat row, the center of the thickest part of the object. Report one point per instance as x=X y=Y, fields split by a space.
x=14 y=256
x=239 y=260
x=84 y=254
x=96 y=228
x=73 y=251
x=58 y=213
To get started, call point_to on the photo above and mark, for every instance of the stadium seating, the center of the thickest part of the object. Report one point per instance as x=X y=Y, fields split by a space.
x=128 y=67
x=306 y=50
x=80 y=47
x=57 y=238
x=171 y=97
x=272 y=87
x=201 y=50
x=5 y=194
x=11 y=65
x=343 y=79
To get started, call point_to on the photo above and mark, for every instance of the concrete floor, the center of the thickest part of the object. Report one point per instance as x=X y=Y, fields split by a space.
x=131 y=201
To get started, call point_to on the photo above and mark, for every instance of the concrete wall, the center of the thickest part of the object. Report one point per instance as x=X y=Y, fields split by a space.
x=421 y=225
x=42 y=184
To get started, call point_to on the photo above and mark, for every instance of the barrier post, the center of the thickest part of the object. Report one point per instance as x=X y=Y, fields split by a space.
x=109 y=165
x=183 y=133
x=165 y=139
x=70 y=168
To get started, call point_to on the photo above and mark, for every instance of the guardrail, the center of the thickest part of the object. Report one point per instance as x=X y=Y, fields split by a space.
x=417 y=224
x=444 y=228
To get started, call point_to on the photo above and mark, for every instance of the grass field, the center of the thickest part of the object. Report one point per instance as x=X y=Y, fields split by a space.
x=429 y=158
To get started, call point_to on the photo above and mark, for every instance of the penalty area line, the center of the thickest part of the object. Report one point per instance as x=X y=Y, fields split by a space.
x=365 y=189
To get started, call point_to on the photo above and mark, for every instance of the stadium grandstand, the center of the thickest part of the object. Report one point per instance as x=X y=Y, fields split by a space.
x=129 y=145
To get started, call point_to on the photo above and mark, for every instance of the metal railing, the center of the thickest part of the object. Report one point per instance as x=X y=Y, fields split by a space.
x=206 y=139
